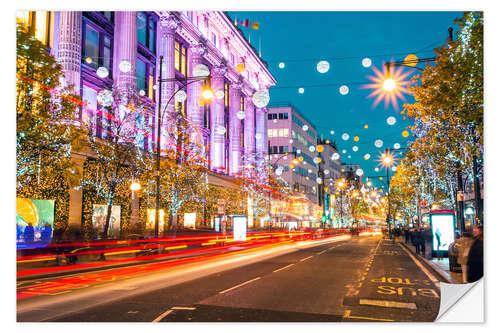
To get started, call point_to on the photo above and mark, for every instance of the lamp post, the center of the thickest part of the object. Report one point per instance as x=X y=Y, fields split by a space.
x=161 y=113
x=341 y=184
x=273 y=167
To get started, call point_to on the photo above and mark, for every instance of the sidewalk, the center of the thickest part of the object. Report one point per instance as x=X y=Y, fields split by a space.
x=440 y=266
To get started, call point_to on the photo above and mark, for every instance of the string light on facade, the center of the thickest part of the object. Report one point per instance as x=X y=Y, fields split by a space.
x=377 y=169
x=323 y=66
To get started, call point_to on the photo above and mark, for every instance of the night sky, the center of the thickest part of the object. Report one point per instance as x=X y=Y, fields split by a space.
x=301 y=39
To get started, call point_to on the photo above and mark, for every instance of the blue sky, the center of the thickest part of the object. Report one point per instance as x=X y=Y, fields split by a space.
x=302 y=39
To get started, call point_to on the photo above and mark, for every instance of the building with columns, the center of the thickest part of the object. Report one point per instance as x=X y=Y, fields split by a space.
x=129 y=46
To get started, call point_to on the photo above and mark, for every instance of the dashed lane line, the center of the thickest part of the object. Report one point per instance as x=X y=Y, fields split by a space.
x=239 y=285
x=282 y=268
x=306 y=258
x=183 y=308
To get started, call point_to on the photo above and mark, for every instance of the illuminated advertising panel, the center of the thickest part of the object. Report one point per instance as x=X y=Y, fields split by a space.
x=34 y=222
x=240 y=228
x=443 y=227
x=190 y=220
x=99 y=214
x=150 y=222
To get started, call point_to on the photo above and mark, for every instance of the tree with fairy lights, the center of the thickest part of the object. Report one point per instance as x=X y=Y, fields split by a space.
x=448 y=113
x=183 y=175
x=47 y=126
x=116 y=141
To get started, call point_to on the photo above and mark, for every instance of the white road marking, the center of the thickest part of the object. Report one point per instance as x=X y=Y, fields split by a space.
x=279 y=269
x=431 y=277
x=322 y=252
x=239 y=285
x=183 y=308
x=306 y=258
x=388 y=304
x=163 y=315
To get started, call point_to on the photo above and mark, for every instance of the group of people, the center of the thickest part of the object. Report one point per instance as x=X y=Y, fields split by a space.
x=27 y=234
x=421 y=238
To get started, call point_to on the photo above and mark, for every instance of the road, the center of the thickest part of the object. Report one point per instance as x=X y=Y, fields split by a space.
x=344 y=279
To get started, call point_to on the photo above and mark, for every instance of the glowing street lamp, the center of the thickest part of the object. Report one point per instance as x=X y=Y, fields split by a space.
x=135 y=186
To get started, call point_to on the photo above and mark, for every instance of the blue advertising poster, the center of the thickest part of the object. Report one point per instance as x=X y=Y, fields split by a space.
x=443 y=231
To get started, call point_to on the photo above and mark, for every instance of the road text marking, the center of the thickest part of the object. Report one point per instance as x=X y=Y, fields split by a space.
x=348 y=315
x=163 y=315
x=431 y=277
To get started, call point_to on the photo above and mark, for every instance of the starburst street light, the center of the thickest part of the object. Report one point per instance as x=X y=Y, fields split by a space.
x=389 y=86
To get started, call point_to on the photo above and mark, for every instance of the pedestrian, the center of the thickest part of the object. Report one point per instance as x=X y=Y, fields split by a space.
x=428 y=242
x=421 y=239
x=414 y=239
x=407 y=235
x=475 y=264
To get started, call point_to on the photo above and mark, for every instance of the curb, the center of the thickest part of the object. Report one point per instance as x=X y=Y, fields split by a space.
x=443 y=275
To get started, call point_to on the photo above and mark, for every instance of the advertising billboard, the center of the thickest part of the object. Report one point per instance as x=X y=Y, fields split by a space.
x=99 y=214
x=34 y=222
x=443 y=229
x=190 y=220
x=240 y=228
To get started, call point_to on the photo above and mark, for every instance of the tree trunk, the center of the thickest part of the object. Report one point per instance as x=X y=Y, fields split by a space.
x=108 y=214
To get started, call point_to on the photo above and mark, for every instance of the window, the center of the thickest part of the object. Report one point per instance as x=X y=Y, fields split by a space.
x=145 y=77
x=280 y=116
x=269 y=116
x=180 y=58
x=285 y=115
x=281 y=149
x=141 y=75
x=275 y=132
x=97 y=47
x=146 y=31
x=286 y=132
x=269 y=133
x=275 y=116
x=108 y=15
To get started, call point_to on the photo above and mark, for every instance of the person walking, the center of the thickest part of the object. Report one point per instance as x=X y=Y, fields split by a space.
x=414 y=239
x=421 y=239
x=428 y=242
x=475 y=263
x=407 y=235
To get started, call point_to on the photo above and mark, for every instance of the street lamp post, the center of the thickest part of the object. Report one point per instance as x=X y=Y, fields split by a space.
x=188 y=81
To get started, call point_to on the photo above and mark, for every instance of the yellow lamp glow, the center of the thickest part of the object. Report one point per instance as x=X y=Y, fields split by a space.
x=320 y=148
x=356 y=138
x=389 y=84
x=411 y=60
x=207 y=94
x=366 y=125
x=405 y=133
x=88 y=60
x=135 y=186
x=240 y=68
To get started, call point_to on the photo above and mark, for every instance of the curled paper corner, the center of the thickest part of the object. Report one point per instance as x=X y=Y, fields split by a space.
x=461 y=302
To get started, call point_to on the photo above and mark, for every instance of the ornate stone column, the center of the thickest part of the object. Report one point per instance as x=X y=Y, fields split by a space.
x=234 y=128
x=125 y=49
x=249 y=130
x=166 y=47
x=194 y=112
x=69 y=53
x=217 y=137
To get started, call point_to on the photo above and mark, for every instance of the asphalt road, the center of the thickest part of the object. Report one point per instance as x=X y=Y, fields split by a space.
x=359 y=279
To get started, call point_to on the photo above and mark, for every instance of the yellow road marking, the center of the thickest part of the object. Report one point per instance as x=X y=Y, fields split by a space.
x=34 y=260
x=388 y=304
x=175 y=247
x=121 y=252
x=348 y=315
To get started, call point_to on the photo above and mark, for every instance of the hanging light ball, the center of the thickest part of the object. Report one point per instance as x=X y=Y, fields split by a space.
x=323 y=66
x=279 y=171
x=180 y=96
x=219 y=94
x=125 y=66
x=281 y=65
x=366 y=62
x=411 y=60
x=305 y=128
x=312 y=149
x=397 y=146
x=102 y=72
x=394 y=168
x=105 y=97
x=291 y=140
x=343 y=151
x=327 y=171
x=261 y=98
x=335 y=156
x=142 y=92
x=377 y=169
x=344 y=90
x=299 y=151
x=405 y=133
x=221 y=130
x=366 y=126
x=274 y=120
x=241 y=115
x=391 y=120
x=240 y=68
x=258 y=136
x=88 y=60
x=332 y=132
x=359 y=172
x=356 y=138
x=355 y=148
x=320 y=148
x=345 y=136
x=367 y=157
x=349 y=156
x=379 y=143
x=201 y=70
x=319 y=180
x=301 y=90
